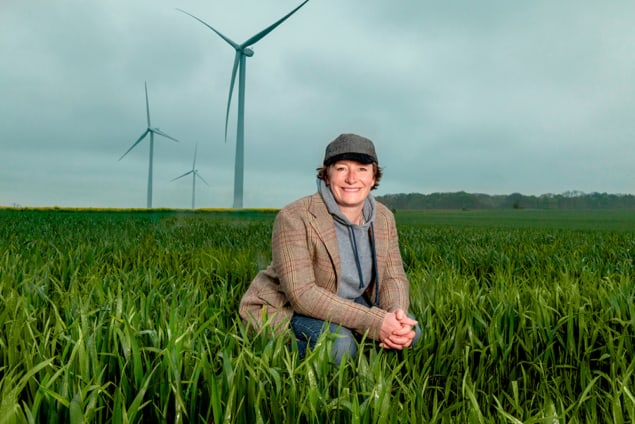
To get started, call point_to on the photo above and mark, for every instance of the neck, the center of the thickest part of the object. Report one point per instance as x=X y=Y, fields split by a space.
x=354 y=215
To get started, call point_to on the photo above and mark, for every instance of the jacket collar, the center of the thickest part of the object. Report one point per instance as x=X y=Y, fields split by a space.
x=322 y=222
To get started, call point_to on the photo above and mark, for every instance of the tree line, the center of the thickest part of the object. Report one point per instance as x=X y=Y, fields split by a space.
x=463 y=200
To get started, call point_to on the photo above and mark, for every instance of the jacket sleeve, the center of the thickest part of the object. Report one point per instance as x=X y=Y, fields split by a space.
x=307 y=276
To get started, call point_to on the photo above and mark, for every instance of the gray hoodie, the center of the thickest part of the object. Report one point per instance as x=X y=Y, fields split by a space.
x=355 y=249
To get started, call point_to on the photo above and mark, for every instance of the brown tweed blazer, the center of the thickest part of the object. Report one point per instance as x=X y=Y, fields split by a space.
x=304 y=272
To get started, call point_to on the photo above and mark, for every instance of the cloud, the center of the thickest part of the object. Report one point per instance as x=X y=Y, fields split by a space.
x=492 y=97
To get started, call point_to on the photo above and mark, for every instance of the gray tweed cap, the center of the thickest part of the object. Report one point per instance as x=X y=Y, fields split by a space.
x=350 y=147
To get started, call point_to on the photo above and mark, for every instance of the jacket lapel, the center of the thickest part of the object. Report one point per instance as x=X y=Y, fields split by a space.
x=322 y=222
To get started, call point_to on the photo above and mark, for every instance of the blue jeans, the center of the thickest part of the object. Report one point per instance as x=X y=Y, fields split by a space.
x=307 y=330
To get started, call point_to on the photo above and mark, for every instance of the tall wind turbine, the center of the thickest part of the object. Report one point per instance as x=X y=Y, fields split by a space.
x=242 y=52
x=150 y=131
x=195 y=174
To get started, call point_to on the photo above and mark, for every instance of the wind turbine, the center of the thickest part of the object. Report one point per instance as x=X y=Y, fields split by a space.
x=195 y=174
x=242 y=52
x=150 y=131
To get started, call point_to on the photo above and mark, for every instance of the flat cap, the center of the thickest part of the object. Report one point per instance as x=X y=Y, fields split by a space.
x=350 y=147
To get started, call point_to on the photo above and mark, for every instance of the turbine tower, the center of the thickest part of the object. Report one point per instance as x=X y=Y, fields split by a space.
x=150 y=131
x=242 y=53
x=195 y=174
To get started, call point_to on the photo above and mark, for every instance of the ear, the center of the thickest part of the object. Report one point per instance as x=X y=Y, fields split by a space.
x=327 y=180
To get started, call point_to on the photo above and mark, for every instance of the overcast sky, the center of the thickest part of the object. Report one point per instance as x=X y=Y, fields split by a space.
x=491 y=96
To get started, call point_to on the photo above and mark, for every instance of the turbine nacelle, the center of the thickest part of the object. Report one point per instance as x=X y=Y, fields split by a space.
x=242 y=52
x=152 y=131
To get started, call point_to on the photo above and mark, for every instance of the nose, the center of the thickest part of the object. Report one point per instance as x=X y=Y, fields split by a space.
x=351 y=176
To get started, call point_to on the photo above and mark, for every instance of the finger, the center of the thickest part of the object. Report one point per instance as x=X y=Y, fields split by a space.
x=389 y=344
x=402 y=331
x=406 y=320
x=401 y=341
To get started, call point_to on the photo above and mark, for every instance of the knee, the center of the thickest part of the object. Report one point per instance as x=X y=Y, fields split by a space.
x=344 y=344
x=417 y=332
x=417 y=336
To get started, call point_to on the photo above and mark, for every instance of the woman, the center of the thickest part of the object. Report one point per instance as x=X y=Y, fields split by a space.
x=336 y=264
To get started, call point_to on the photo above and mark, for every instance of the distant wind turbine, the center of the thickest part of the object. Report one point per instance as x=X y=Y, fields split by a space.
x=242 y=52
x=150 y=131
x=195 y=174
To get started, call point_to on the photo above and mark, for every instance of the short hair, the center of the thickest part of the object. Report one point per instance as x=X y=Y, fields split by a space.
x=322 y=172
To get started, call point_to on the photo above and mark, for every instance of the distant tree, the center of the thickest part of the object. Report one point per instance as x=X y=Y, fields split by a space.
x=514 y=201
x=464 y=200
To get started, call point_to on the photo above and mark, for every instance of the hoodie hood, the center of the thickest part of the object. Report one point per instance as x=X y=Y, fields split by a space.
x=355 y=248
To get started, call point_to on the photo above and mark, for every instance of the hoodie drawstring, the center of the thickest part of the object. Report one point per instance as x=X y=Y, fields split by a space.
x=375 y=275
x=374 y=253
x=356 y=254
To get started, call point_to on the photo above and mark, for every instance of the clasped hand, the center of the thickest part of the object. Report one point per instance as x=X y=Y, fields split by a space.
x=397 y=330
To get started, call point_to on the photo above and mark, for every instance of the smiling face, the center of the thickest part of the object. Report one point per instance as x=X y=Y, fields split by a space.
x=350 y=183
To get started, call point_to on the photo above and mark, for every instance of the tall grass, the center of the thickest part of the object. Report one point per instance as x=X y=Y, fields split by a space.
x=131 y=317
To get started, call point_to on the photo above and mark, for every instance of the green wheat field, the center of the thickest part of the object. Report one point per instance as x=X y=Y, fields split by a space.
x=122 y=316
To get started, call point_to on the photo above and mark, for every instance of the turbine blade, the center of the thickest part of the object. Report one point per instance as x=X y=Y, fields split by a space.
x=158 y=131
x=227 y=39
x=147 y=104
x=202 y=179
x=254 y=39
x=194 y=163
x=231 y=90
x=135 y=143
x=181 y=176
